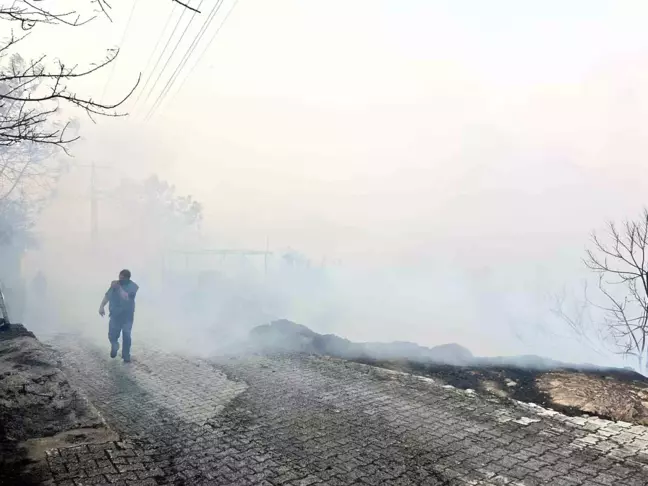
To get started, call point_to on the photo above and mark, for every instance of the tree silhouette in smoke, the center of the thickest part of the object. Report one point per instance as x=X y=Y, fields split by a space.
x=155 y=208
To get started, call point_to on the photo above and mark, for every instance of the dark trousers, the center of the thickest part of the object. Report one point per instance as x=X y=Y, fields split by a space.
x=121 y=325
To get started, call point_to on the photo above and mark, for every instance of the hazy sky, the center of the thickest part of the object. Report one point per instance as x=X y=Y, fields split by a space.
x=465 y=148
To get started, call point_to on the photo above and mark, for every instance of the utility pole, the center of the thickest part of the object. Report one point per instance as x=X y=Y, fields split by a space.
x=94 y=230
x=94 y=200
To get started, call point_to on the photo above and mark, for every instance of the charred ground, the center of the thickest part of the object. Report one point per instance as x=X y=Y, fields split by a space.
x=610 y=393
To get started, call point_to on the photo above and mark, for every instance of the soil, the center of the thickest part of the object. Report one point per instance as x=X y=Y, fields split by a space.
x=36 y=402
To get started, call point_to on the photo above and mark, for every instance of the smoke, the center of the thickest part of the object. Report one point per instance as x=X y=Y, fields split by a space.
x=438 y=176
x=475 y=265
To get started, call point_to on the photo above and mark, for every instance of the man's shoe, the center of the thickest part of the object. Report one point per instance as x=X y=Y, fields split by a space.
x=127 y=359
x=113 y=351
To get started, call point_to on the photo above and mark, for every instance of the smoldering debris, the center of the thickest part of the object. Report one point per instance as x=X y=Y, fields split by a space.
x=287 y=336
x=611 y=393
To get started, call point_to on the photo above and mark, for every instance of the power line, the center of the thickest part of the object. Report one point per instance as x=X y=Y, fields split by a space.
x=182 y=14
x=112 y=71
x=157 y=44
x=173 y=52
x=186 y=57
x=202 y=54
x=184 y=11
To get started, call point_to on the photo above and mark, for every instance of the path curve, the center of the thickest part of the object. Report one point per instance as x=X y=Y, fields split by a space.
x=299 y=420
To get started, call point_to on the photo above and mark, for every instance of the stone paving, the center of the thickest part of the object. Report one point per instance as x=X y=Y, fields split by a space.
x=300 y=420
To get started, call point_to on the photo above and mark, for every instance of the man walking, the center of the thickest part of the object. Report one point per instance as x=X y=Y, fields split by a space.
x=121 y=297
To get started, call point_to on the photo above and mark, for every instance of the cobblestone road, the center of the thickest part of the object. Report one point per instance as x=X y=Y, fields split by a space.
x=257 y=420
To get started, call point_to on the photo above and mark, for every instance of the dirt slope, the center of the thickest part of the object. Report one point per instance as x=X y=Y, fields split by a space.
x=38 y=407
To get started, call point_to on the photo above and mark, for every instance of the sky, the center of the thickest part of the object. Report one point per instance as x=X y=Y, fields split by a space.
x=454 y=154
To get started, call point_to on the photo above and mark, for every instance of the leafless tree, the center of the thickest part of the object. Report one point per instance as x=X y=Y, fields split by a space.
x=33 y=92
x=620 y=259
x=30 y=94
x=28 y=13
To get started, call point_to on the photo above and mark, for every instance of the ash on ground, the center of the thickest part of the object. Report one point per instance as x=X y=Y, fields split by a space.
x=610 y=393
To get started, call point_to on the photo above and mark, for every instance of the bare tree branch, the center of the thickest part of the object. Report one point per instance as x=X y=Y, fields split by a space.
x=30 y=95
x=186 y=5
x=622 y=255
x=29 y=13
x=33 y=94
